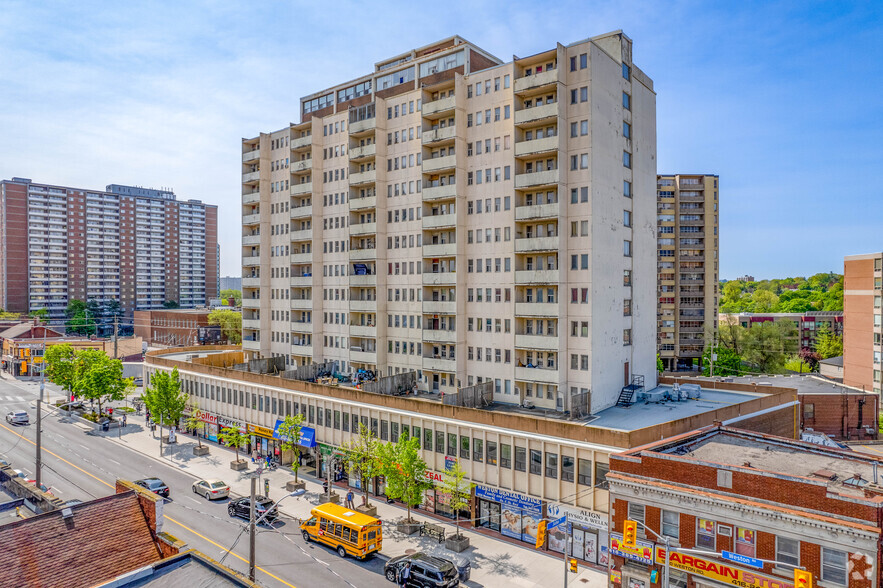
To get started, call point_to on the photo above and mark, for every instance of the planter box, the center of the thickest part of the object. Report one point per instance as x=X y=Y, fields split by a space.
x=201 y=450
x=371 y=511
x=238 y=466
x=165 y=440
x=457 y=544
x=291 y=486
x=335 y=498
x=408 y=528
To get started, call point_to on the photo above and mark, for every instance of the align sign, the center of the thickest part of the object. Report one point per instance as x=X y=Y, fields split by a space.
x=720 y=571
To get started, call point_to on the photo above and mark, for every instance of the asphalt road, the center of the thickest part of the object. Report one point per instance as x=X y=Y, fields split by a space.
x=77 y=464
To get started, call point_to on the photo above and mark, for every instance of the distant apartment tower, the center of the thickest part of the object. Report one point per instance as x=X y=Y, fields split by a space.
x=687 y=245
x=138 y=246
x=464 y=218
x=231 y=283
x=863 y=321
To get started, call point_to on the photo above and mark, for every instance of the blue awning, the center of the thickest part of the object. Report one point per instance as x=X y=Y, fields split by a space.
x=307 y=435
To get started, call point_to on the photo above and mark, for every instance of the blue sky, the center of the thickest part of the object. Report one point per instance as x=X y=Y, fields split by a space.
x=784 y=100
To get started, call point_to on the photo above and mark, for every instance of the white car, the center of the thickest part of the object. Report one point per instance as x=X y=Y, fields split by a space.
x=211 y=489
x=17 y=417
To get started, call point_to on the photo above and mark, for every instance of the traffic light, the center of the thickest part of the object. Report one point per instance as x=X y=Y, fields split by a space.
x=630 y=534
x=573 y=566
x=541 y=534
x=802 y=579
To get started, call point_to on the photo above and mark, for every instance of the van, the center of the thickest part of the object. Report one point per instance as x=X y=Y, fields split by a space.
x=349 y=532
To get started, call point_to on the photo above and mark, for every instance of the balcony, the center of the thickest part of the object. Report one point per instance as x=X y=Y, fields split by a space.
x=251 y=219
x=440 y=364
x=251 y=197
x=363 y=126
x=544 y=376
x=536 y=146
x=439 y=250
x=251 y=324
x=363 y=254
x=249 y=345
x=357 y=305
x=536 y=113
x=540 y=309
x=534 y=179
x=545 y=342
x=301 y=281
x=302 y=235
x=445 y=192
x=251 y=240
x=302 y=258
x=302 y=189
x=363 y=357
x=301 y=327
x=439 y=336
x=251 y=282
x=302 y=211
x=301 y=165
x=301 y=304
x=439 y=106
x=366 y=203
x=440 y=221
x=251 y=177
x=301 y=142
x=369 y=331
x=537 y=80
x=447 y=307
x=536 y=244
x=363 y=152
x=363 y=280
x=303 y=350
x=365 y=177
x=536 y=212
x=536 y=276
x=437 y=135
x=363 y=229
x=251 y=303
x=250 y=156
x=439 y=279
x=439 y=163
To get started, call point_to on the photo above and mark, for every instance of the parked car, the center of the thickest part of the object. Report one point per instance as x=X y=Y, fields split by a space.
x=155 y=485
x=17 y=417
x=241 y=507
x=211 y=489
x=427 y=571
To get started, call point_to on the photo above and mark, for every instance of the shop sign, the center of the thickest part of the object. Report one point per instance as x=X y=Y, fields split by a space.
x=507 y=498
x=719 y=571
x=578 y=516
x=643 y=552
x=261 y=431
x=224 y=422
x=207 y=418
x=433 y=477
x=616 y=576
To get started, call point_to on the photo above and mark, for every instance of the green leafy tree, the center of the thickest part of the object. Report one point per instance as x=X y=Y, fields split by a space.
x=193 y=421
x=289 y=432
x=102 y=381
x=231 y=293
x=727 y=362
x=455 y=484
x=361 y=453
x=230 y=322
x=61 y=365
x=763 y=300
x=171 y=304
x=42 y=314
x=233 y=437
x=404 y=471
x=165 y=399
x=660 y=367
x=828 y=344
x=769 y=344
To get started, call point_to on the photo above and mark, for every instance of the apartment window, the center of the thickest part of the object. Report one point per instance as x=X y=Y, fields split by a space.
x=627 y=189
x=505 y=454
x=439 y=442
x=627 y=159
x=788 y=550
x=566 y=468
x=520 y=459
x=627 y=218
x=627 y=248
x=626 y=336
x=492 y=451
x=626 y=101
x=584 y=472
x=636 y=512
x=601 y=470
x=705 y=534
x=464 y=447
x=477 y=449
x=452 y=445
x=583 y=60
x=551 y=465
x=745 y=541
x=671 y=524
x=626 y=130
x=427 y=439
x=626 y=72
x=536 y=462
x=834 y=566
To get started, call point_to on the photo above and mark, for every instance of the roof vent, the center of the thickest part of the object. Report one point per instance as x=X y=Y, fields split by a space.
x=67 y=513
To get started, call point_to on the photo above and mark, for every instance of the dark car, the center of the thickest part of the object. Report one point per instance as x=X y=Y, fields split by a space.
x=426 y=571
x=241 y=507
x=155 y=485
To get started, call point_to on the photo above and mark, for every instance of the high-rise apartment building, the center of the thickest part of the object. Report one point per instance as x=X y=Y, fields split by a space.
x=863 y=321
x=464 y=218
x=687 y=243
x=138 y=246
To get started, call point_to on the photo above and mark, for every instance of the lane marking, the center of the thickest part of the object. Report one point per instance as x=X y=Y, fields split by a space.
x=168 y=518
x=868 y=447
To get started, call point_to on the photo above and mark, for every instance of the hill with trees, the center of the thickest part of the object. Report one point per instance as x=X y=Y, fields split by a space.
x=822 y=291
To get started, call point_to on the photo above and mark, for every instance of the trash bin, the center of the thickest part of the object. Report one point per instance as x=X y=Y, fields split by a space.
x=267 y=488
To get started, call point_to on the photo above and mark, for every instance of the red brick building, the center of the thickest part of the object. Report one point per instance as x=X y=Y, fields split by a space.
x=719 y=489
x=177 y=327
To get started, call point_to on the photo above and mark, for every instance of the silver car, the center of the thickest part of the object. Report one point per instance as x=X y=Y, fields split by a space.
x=211 y=489
x=17 y=417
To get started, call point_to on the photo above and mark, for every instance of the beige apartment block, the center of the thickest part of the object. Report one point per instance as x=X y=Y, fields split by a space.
x=464 y=218
x=863 y=321
x=687 y=244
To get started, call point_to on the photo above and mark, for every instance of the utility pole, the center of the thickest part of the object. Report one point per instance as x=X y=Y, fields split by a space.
x=251 y=531
x=39 y=464
x=160 y=435
x=568 y=552
x=115 y=335
x=711 y=357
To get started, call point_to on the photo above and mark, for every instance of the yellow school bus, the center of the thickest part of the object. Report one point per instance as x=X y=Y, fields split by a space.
x=345 y=530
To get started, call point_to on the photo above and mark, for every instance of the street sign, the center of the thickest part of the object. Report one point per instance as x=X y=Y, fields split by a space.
x=557 y=522
x=742 y=559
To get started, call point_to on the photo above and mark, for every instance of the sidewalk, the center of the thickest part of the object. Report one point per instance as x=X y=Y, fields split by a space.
x=494 y=562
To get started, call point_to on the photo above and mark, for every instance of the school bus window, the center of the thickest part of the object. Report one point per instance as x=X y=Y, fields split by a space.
x=337 y=529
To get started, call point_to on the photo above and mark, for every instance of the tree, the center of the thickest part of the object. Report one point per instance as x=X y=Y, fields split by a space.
x=171 y=304
x=828 y=344
x=763 y=301
x=727 y=362
x=404 y=470
x=769 y=344
x=164 y=398
x=193 y=421
x=453 y=483
x=74 y=307
x=84 y=359
x=42 y=314
x=231 y=293
x=361 y=453
x=230 y=322
x=660 y=367
x=233 y=437
x=61 y=365
x=810 y=358
x=103 y=381
x=289 y=433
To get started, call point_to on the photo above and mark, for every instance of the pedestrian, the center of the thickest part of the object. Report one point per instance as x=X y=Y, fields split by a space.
x=405 y=575
x=254 y=455
x=124 y=420
x=324 y=486
x=349 y=500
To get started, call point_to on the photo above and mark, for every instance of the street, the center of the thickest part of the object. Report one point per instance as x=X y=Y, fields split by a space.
x=79 y=464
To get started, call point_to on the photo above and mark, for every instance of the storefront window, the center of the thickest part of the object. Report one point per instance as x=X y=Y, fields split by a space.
x=536 y=462
x=505 y=455
x=477 y=450
x=492 y=453
x=705 y=536
x=520 y=459
x=464 y=447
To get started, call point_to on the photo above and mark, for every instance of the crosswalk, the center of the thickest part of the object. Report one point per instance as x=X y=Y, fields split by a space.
x=11 y=398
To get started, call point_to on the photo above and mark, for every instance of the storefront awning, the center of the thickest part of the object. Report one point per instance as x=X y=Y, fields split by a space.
x=307 y=435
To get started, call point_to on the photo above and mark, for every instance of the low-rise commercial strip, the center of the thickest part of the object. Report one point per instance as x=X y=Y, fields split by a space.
x=525 y=464
x=744 y=500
